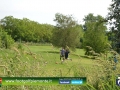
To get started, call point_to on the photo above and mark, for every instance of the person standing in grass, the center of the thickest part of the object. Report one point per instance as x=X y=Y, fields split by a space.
x=62 y=54
x=66 y=54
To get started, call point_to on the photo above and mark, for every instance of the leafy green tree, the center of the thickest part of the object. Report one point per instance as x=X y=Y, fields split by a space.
x=114 y=21
x=66 y=32
x=94 y=35
x=80 y=43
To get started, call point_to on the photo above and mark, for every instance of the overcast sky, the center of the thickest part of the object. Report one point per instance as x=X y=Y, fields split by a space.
x=43 y=11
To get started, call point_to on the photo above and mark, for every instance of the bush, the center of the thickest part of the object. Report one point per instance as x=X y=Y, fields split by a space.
x=5 y=40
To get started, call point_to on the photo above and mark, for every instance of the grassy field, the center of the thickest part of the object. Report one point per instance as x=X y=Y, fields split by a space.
x=44 y=61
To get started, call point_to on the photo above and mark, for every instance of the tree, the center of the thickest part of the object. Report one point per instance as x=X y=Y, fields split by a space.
x=66 y=32
x=114 y=21
x=94 y=35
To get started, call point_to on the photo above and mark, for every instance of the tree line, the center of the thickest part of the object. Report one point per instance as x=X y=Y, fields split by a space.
x=67 y=31
x=26 y=30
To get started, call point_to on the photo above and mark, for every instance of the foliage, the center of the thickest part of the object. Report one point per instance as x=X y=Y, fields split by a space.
x=94 y=35
x=26 y=30
x=80 y=43
x=66 y=31
x=5 y=40
x=114 y=21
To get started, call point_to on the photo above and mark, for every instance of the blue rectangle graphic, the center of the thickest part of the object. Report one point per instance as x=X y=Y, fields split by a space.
x=64 y=81
x=76 y=82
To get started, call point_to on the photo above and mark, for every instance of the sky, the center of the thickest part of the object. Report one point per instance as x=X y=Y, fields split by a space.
x=43 y=11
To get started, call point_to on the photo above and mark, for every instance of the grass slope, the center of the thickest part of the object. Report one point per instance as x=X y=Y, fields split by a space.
x=45 y=61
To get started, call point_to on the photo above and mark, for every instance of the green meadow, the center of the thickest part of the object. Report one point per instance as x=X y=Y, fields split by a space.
x=44 y=61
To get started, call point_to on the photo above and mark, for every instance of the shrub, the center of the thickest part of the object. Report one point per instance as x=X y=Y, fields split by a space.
x=5 y=40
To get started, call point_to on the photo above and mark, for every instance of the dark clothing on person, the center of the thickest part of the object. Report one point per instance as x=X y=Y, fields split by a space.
x=66 y=54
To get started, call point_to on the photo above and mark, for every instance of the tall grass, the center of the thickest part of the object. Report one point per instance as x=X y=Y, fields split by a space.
x=25 y=62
